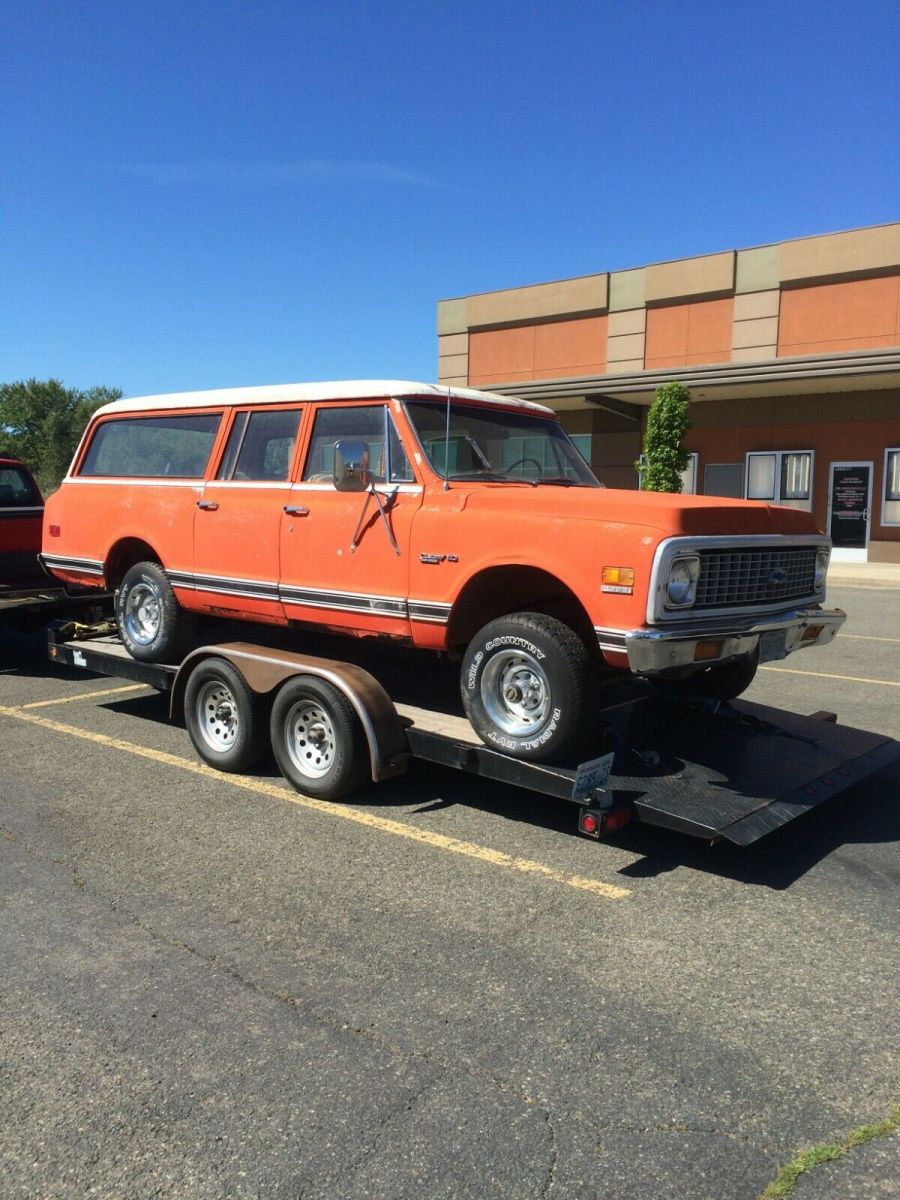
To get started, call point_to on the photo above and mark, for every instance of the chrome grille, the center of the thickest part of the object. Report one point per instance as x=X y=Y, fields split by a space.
x=734 y=578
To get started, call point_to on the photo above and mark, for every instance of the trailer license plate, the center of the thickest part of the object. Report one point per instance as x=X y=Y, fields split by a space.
x=592 y=776
x=772 y=645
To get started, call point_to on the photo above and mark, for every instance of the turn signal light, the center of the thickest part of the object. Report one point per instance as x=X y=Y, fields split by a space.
x=618 y=579
x=707 y=650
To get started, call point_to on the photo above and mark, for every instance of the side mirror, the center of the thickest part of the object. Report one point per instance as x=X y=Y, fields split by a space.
x=351 y=466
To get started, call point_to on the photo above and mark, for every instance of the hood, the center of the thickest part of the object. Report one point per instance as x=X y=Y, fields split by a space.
x=670 y=514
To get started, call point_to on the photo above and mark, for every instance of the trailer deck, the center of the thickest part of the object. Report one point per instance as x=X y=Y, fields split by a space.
x=716 y=771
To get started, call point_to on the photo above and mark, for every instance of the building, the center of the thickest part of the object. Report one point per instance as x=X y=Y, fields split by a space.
x=791 y=352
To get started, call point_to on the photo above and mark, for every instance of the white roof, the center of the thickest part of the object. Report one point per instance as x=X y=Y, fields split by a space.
x=348 y=389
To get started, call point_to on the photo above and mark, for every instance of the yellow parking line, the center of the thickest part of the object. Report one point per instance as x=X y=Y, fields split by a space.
x=865 y=637
x=133 y=687
x=496 y=858
x=824 y=675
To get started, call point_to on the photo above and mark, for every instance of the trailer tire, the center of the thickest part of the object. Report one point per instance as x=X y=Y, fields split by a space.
x=224 y=717
x=525 y=683
x=317 y=739
x=152 y=624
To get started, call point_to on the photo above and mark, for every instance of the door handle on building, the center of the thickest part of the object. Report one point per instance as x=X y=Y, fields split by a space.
x=208 y=505
x=296 y=510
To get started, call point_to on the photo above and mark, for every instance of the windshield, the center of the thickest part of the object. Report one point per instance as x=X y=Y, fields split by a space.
x=497 y=445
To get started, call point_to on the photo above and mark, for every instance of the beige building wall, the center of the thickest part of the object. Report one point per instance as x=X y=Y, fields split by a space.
x=818 y=282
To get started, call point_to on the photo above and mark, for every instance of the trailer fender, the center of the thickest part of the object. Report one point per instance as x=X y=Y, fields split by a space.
x=265 y=670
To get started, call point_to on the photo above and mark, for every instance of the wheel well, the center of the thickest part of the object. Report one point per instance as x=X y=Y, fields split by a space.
x=123 y=556
x=502 y=590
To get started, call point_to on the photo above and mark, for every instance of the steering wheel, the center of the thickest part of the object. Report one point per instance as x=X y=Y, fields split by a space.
x=520 y=461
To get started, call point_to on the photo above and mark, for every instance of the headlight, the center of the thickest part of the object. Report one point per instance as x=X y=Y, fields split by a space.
x=681 y=589
x=823 y=554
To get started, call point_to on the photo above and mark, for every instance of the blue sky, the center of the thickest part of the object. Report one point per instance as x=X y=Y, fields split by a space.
x=206 y=194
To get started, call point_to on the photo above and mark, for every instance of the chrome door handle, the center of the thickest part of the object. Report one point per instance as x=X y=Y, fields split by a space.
x=296 y=510
x=209 y=505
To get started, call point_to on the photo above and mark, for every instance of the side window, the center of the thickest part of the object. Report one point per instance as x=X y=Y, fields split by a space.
x=16 y=490
x=137 y=447
x=260 y=445
x=360 y=423
x=783 y=476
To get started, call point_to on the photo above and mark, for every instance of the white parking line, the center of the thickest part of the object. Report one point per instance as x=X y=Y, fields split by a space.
x=132 y=687
x=864 y=637
x=825 y=675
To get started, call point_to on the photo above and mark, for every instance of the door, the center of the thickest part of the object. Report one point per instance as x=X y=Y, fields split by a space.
x=849 y=506
x=345 y=554
x=239 y=513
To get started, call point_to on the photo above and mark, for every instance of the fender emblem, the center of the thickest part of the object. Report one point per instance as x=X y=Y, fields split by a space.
x=436 y=559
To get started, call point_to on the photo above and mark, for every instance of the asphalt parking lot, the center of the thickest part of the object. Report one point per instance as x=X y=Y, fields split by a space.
x=212 y=987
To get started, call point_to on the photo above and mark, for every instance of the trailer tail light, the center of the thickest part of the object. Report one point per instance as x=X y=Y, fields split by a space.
x=596 y=823
x=590 y=824
x=618 y=818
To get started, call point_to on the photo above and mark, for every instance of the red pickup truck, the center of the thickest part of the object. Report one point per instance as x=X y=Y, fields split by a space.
x=21 y=518
x=29 y=596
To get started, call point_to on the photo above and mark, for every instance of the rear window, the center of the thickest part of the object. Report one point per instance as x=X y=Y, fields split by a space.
x=16 y=489
x=175 y=447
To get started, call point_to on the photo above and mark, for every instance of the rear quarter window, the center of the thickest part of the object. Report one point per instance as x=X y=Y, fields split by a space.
x=174 y=447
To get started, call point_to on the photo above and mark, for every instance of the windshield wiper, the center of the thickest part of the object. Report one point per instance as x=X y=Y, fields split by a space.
x=489 y=477
x=558 y=481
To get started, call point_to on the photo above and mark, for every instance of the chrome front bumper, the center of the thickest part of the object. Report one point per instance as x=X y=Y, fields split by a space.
x=654 y=651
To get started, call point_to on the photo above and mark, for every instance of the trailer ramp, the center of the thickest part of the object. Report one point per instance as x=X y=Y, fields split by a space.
x=716 y=771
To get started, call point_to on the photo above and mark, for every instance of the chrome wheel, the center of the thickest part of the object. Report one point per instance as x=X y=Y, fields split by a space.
x=515 y=693
x=142 y=613
x=217 y=716
x=310 y=739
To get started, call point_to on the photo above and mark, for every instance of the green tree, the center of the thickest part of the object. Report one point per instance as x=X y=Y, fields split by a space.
x=664 y=456
x=41 y=422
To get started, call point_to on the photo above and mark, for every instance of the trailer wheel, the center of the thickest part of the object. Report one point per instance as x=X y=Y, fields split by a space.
x=723 y=681
x=223 y=717
x=317 y=739
x=525 y=686
x=152 y=625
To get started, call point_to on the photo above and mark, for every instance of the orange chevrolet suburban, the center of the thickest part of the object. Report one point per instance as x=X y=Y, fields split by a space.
x=453 y=519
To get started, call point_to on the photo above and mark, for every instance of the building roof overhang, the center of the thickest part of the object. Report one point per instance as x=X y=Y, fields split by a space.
x=847 y=371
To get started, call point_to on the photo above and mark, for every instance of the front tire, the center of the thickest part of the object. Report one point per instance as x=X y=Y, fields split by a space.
x=317 y=739
x=223 y=717
x=152 y=624
x=525 y=686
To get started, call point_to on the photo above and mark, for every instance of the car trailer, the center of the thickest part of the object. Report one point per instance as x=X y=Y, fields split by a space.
x=733 y=771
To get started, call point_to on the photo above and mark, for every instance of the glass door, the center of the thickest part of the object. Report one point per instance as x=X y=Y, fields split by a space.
x=849 y=508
